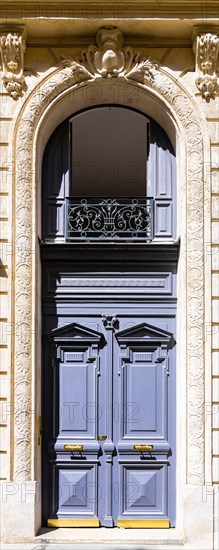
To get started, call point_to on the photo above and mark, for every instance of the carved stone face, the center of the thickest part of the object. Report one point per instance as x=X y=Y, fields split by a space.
x=109 y=58
x=12 y=65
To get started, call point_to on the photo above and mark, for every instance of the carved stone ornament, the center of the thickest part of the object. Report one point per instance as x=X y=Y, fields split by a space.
x=108 y=59
x=69 y=78
x=206 y=48
x=12 y=45
x=109 y=321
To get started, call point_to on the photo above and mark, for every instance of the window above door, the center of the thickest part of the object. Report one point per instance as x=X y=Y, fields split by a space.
x=109 y=153
x=109 y=175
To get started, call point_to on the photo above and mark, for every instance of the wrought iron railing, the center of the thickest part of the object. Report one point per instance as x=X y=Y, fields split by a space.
x=109 y=219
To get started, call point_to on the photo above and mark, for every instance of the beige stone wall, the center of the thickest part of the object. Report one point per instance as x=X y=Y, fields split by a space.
x=213 y=123
x=40 y=60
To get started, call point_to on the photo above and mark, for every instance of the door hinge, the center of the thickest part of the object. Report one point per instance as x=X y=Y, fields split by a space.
x=39 y=429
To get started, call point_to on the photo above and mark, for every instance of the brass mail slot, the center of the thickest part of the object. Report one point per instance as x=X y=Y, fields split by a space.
x=143 y=447
x=74 y=447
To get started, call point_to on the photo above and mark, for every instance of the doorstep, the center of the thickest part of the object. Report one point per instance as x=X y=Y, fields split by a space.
x=44 y=546
x=108 y=539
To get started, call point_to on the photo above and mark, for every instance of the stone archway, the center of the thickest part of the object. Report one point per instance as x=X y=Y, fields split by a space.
x=108 y=60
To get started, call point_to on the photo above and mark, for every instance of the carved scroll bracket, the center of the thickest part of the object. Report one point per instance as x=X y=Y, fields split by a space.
x=206 y=47
x=12 y=48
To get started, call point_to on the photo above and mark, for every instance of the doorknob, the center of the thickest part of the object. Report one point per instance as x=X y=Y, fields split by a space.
x=143 y=447
x=73 y=447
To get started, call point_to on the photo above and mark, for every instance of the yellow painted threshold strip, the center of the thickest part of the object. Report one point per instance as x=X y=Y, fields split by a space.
x=144 y=523
x=73 y=522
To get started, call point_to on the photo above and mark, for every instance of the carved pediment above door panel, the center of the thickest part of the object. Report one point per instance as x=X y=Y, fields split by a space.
x=75 y=333
x=146 y=335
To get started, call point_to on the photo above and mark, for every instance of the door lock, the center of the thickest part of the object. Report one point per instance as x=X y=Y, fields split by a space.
x=101 y=437
x=143 y=447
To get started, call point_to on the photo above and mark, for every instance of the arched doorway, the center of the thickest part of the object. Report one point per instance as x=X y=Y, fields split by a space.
x=109 y=308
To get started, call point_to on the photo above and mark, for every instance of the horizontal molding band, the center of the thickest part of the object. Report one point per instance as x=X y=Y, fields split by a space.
x=82 y=42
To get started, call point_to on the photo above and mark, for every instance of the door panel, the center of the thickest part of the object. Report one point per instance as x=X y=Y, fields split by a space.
x=77 y=490
x=78 y=389
x=143 y=491
x=143 y=390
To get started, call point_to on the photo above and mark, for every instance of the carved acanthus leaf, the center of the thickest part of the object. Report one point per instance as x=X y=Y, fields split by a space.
x=12 y=47
x=206 y=47
x=108 y=59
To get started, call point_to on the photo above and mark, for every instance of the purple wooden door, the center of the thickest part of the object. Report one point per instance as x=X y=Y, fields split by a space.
x=112 y=451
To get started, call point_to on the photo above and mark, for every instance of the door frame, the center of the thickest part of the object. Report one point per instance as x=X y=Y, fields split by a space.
x=121 y=261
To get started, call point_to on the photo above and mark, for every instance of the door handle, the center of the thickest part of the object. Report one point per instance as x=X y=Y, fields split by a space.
x=143 y=447
x=73 y=447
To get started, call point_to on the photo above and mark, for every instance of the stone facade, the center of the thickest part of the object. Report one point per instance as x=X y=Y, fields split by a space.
x=168 y=71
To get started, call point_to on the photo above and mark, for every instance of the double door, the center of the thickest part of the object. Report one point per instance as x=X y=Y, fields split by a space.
x=110 y=441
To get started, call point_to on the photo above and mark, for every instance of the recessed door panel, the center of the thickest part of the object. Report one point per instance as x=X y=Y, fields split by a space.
x=77 y=390
x=77 y=491
x=144 y=491
x=143 y=400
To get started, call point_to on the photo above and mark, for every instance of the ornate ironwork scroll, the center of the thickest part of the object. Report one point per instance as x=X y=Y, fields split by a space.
x=106 y=219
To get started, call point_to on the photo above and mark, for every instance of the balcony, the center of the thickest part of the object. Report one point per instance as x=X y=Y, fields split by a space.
x=109 y=219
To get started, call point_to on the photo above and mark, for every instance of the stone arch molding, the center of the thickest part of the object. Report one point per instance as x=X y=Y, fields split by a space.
x=108 y=59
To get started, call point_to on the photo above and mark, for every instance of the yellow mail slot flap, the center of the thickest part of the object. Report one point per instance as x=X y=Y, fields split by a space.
x=143 y=447
x=71 y=447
